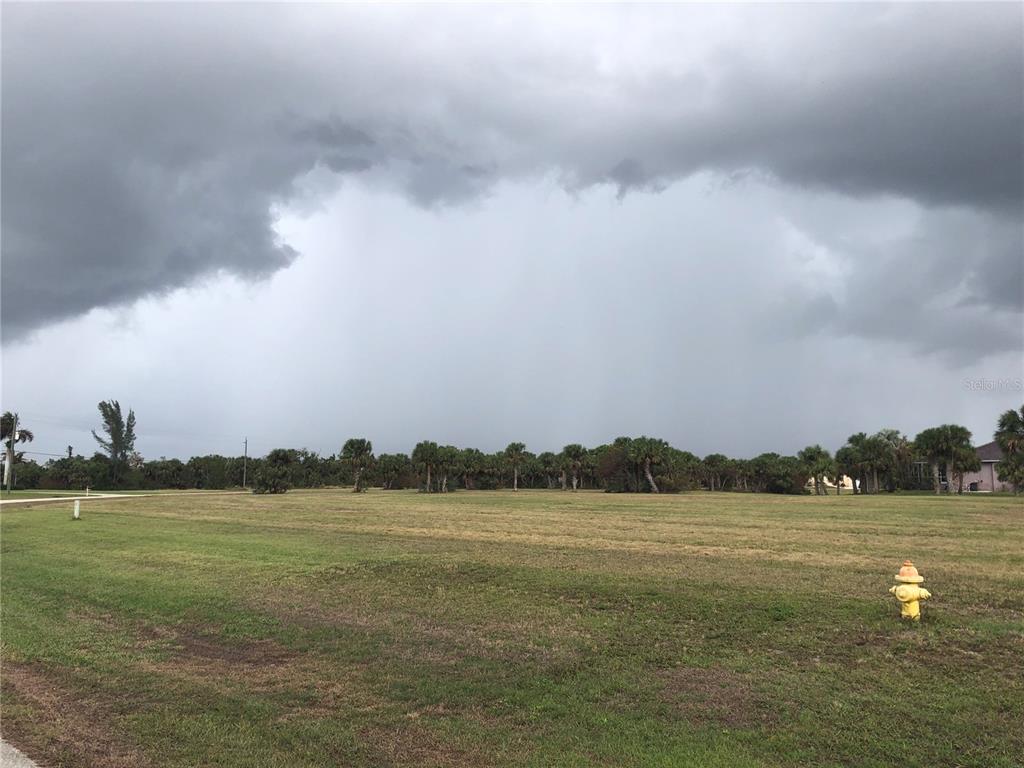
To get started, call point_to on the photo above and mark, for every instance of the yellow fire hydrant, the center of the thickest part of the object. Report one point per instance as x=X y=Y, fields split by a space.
x=908 y=592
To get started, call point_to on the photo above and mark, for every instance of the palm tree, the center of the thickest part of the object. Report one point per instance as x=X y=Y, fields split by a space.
x=390 y=467
x=494 y=468
x=742 y=471
x=548 y=465
x=8 y=422
x=1009 y=434
x=847 y=463
x=573 y=455
x=424 y=455
x=7 y=426
x=514 y=453
x=647 y=451
x=858 y=443
x=965 y=459
x=834 y=476
x=120 y=440
x=878 y=457
x=529 y=469
x=715 y=466
x=901 y=456
x=1010 y=438
x=930 y=446
x=962 y=456
x=447 y=461
x=818 y=464
x=949 y=444
x=471 y=462
x=358 y=453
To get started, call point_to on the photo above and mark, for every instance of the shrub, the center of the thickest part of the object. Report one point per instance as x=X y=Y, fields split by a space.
x=274 y=475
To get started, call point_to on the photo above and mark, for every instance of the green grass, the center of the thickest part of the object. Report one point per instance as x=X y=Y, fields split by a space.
x=537 y=629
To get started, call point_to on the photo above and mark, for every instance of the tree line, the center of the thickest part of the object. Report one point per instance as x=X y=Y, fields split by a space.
x=885 y=461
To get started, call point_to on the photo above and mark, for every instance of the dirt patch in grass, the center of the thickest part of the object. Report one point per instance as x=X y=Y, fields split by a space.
x=195 y=651
x=55 y=725
x=715 y=696
x=255 y=665
x=260 y=653
x=325 y=686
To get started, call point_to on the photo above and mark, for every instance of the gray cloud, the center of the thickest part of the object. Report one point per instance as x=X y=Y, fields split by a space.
x=146 y=147
x=951 y=285
x=607 y=317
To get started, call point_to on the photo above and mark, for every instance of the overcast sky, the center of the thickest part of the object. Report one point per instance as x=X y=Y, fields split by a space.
x=739 y=228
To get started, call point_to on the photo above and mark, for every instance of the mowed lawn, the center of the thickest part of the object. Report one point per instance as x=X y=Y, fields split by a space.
x=538 y=628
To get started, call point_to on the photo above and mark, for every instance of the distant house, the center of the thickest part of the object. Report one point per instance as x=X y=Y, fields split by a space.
x=987 y=479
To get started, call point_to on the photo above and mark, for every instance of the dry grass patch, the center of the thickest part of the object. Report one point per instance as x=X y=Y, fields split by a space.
x=410 y=743
x=59 y=725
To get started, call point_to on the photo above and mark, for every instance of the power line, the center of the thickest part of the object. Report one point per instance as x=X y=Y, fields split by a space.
x=218 y=441
x=149 y=430
x=63 y=421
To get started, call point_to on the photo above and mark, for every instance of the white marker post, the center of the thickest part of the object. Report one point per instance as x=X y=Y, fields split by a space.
x=77 y=510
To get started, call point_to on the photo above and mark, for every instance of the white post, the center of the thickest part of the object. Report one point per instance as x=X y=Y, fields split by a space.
x=77 y=509
x=87 y=490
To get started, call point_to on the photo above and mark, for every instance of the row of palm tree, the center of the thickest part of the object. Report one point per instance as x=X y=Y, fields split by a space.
x=887 y=460
x=627 y=464
x=888 y=454
x=437 y=463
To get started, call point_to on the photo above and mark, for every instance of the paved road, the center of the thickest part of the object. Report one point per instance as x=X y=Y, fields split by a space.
x=52 y=499
x=108 y=496
x=12 y=758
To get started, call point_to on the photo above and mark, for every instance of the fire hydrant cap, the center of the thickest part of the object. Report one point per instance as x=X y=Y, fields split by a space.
x=908 y=574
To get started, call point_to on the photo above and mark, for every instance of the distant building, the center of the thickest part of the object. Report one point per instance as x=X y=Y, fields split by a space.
x=845 y=484
x=987 y=479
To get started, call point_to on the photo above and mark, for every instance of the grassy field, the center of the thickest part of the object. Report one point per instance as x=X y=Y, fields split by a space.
x=538 y=629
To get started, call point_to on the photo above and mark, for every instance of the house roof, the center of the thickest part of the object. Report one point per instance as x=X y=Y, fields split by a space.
x=989 y=452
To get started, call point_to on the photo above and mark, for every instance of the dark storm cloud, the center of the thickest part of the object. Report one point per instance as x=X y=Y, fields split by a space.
x=147 y=146
x=962 y=301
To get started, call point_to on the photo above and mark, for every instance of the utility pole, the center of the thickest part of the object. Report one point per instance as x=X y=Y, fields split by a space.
x=245 y=459
x=9 y=464
x=69 y=451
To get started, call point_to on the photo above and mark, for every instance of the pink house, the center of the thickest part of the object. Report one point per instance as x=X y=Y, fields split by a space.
x=987 y=480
